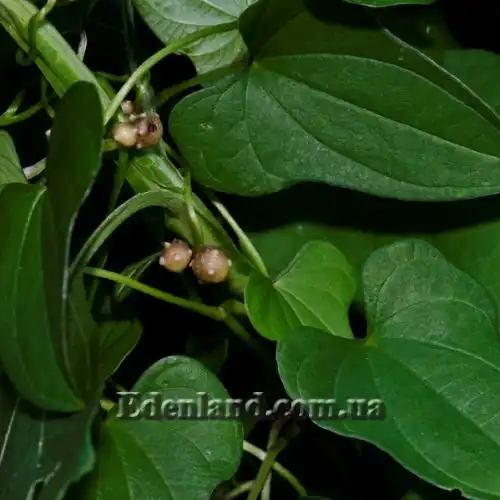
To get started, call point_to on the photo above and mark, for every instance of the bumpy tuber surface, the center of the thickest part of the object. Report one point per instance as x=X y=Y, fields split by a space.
x=211 y=265
x=176 y=256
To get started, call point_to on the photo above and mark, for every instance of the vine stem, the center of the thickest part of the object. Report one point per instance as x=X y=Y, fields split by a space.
x=276 y=466
x=246 y=245
x=239 y=490
x=210 y=311
x=213 y=312
x=209 y=76
x=149 y=63
x=35 y=23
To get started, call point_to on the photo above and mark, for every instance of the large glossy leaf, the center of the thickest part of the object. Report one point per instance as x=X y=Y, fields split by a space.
x=432 y=356
x=10 y=168
x=73 y=162
x=314 y=290
x=39 y=449
x=339 y=102
x=46 y=325
x=167 y=459
x=174 y=19
x=479 y=69
x=28 y=351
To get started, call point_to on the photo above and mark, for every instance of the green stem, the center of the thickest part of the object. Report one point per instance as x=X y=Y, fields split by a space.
x=191 y=212
x=210 y=311
x=239 y=490
x=111 y=77
x=246 y=245
x=44 y=100
x=202 y=79
x=233 y=306
x=121 y=171
x=276 y=466
x=149 y=63
x=35 y=23
x=10 y=119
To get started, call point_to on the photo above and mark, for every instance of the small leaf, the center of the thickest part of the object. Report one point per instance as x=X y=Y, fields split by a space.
x=40 y=448
x=431 y=356
x=173 y=20
x=10 y=168
x=356 y=245
x=28 y=348
x=479 y=69
x=339 y=106
x=169 y=458
x=118 y=338
x=314 y=290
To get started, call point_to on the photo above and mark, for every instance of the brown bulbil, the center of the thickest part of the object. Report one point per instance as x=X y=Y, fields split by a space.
x=176 y=256
x=149 y=131
x=211 y=265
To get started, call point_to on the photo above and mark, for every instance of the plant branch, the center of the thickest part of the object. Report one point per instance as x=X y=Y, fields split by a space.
x=276 y=466
x=246 y=244
x=239 y=490
x=210 y=311
x=149 y=63
x=202 y=79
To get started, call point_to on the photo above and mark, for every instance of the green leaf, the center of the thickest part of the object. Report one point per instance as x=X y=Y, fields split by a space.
x=170 y=458
x=339 y=106
x=171 y=21
x=355 y=244
x=73 y=161
x=134 y=271
x=314 y=290
x=118 y=338
x=479 y=69
x=28 y=349
x=389 y=3
x=40 y=448
x=431 y=356
x=10 y=168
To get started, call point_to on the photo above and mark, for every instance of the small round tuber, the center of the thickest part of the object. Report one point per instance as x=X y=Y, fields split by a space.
x=210 y=265
x=149 y=131
x=176 y=256
x=128 y=108
x=125 y=134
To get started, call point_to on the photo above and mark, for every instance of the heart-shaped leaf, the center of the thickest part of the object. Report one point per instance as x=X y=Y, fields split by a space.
x=41 y=450
x=431 y=357
x=172 y=20
x=10 y=168
x=170 y=458
x=314 y=290
x=338 y=101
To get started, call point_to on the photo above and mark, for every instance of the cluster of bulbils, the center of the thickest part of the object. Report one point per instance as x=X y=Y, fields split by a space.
x=209 y=263
x=140 y=130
